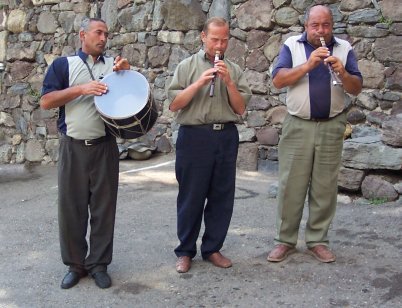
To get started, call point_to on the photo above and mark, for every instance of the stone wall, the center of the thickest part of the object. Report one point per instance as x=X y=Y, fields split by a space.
x=156 y=35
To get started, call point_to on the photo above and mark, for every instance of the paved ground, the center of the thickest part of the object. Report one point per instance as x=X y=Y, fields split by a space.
x=366 y=239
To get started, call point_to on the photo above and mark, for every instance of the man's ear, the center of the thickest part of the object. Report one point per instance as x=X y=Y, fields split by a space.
x=82 y=33
x=203 y=36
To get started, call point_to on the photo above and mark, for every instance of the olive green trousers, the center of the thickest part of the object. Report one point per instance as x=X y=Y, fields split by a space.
x=309 y=160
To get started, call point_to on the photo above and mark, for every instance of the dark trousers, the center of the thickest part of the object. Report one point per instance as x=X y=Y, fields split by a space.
x=206 y=173
x=88 y=182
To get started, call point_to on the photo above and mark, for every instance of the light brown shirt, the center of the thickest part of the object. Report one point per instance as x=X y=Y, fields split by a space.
x=204 y=109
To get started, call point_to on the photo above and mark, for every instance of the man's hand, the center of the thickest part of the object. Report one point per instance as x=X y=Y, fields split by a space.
x=317 y=56
x=120 y=64
x=93 y=88
x=336 y=65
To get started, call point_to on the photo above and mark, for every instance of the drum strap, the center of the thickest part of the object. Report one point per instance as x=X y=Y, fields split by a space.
x=89 y=69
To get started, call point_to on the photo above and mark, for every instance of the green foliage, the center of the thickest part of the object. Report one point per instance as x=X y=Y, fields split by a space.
x=378 y=201
x=387 y=21
x=35 y=94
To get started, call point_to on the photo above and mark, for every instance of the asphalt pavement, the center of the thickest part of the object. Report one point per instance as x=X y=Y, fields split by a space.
x=366 y=239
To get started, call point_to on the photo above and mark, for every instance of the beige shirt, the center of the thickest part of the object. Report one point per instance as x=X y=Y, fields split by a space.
x=204 y=109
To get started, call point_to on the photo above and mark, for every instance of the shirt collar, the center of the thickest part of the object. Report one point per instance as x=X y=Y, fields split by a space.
x=84 y=56
x=303 y=39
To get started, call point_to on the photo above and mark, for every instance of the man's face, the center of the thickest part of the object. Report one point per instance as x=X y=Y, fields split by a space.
x=318 y=24
x=216 y=39
x=94 y=40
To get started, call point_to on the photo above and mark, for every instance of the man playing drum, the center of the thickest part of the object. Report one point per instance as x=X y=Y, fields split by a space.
x=88 y=156
x=208 y=94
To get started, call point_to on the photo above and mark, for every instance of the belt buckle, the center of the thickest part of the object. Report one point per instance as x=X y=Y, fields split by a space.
x=217 y=126
x=87 y=142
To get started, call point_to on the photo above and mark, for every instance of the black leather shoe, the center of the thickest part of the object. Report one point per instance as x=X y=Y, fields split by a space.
x=71 y=279
x=102 y=280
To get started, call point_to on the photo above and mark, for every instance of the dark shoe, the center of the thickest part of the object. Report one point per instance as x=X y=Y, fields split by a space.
x=71 y=279
x=280 y=253
x=322 y=253
x=183 y=264
x=219 y=260
x=102 y=279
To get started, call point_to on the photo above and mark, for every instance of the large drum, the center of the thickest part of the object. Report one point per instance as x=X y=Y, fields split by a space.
x=127 y=109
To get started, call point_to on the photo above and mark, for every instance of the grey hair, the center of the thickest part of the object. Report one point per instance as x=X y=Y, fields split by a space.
x=308 y=11
x=87 y=21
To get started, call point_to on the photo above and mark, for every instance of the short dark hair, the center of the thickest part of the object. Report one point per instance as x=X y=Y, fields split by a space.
x=219 y=21
x=308 y=11
x=87 y=21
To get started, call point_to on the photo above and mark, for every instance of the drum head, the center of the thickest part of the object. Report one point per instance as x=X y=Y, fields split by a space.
x=128 y=93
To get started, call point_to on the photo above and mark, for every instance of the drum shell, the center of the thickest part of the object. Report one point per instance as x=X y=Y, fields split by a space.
x=128 y=109
x=135 y=126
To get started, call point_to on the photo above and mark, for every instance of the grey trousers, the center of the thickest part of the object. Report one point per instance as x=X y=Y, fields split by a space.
x=88 y=182
x=309 y=160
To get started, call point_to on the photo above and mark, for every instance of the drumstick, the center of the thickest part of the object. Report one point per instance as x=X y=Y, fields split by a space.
x=335 y=79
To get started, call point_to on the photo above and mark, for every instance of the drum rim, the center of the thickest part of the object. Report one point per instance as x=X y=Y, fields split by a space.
x=123 y=72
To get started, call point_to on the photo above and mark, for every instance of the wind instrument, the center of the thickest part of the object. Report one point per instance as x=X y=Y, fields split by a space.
x=335 y=80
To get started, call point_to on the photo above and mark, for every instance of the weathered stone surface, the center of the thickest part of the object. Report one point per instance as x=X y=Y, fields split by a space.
x=257 y=61
x=258 y=103
x=177 y=54
x=276 y=115
x=20 y=70
x=352 y=5
x=256 y=38
x=350 y=179
x=367 y=101
x=268 y=136
x=374 y=187
x=52 y=149
x=382 y=51
x=301 y=5
x=255 y=14
x=376 y=117
x=369 y=16
x=247 y=157
x=356 y=116
x=220 y=8
x=5 y=153
x=393 y=78
x=257 y=82
x=373 y=73
x=391 y=10
x=272 y=47
x=174 y=37
x=192 y=41
x=286 y=16
x=135 y=18
x=159 y=55
x=6 y=119
x=396 y=108
x=66 y=20
x=246 y=134
x=173 y=12
x=3 y=45
x=369 y=153
x=392 y=131
x=34 y=151
x=16 y=21
x=366 y=32
x=163 y=145
x=47 y=23
x=135 y=54
x=255 y=119
x=237 y=52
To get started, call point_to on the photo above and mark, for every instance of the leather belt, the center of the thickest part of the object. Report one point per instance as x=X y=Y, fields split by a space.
x=214 y=126
x=88 y=142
